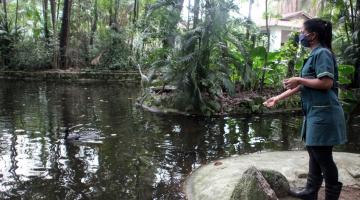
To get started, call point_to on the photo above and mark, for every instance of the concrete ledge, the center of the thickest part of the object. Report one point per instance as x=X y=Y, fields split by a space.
x=162 y=111
x=72 y=75
x=171 y=111
x=217 y=179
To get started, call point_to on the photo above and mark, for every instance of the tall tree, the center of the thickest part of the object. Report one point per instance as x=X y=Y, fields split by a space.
x=16 y=15
x=169 y=40
x=205 y=40
x=5 y=42
x=196 y=13
x=251 y=2
x=53 y=14
x=262 y=81
x=64 y=33
x=58 y=10
x=6 y=25
x=117 y=8
x=355 y=13
x=111 y=13
x=45 y=16
x=136 y=11
x=94 y=24
x=54 y=32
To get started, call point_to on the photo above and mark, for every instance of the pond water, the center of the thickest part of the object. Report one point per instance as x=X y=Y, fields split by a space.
x=123 y=152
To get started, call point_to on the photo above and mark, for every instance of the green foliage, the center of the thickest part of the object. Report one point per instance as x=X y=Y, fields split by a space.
x=31 y=55
x=345 y=17
x=346 y=73
x=6 y=45
x=280 y=64
x=8 y=38
x=204 y=58
x=199 y=68
x=116 y=52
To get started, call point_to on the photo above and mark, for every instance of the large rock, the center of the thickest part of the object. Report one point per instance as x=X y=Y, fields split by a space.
x=217 y=181
x=253 y=186
x=277 y=182
x=354 y=171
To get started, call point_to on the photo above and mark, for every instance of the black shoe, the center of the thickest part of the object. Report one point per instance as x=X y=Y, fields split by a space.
x=332 y=192
x=311 y=190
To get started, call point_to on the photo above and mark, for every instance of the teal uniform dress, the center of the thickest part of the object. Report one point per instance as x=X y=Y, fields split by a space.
x=324 y=120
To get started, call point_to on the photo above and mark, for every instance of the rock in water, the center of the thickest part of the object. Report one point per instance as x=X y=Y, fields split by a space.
x=253 y=186
x=277 y=182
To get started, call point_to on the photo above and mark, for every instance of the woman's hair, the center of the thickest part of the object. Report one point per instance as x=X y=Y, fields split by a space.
x=322 y=28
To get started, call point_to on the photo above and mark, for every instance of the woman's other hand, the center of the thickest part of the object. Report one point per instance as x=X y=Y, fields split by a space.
x=271 y=102
x=291 y=83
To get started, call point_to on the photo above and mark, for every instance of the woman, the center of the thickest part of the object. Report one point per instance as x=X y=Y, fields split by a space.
x=324 y=123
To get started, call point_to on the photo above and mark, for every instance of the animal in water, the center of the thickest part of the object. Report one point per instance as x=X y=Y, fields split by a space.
x=82 y=135
x=70 y=136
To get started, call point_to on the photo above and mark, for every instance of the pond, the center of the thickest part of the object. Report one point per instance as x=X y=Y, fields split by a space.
x=123 y=151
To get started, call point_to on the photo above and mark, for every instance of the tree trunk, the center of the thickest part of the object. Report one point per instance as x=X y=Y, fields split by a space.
x=111 y=18
x=58 y=10
x=94 y=25
x=352 y=24
x=6 y=25
x=195 y=22
x=54 y=32
x=136 y=10
x=262 y=82
x=188 y=15
x=45 y=15
x=117 y=7
x=169 y=40
x=291 y=68
x=196 y=13
x=53 y=15
x=356 y=13
x=7 y=46
x=64 y=33
x=249 y=20
x=16 y=15
x=205 y=40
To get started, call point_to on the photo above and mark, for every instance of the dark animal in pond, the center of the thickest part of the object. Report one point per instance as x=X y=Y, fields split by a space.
x=71 y=136
x=83 y=135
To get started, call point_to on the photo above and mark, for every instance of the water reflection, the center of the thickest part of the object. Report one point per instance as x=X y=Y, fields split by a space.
x=122 y=153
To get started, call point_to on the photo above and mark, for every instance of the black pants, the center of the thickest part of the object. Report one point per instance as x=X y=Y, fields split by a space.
x=321 y=163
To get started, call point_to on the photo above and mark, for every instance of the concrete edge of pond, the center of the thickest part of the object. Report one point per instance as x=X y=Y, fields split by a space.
x=171 y=111
x=154 y=109
x=63 y=75
x=243 y=107
x=217 y=179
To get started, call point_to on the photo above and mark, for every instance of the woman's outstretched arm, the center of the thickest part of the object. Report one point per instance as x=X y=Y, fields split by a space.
x=273 y=100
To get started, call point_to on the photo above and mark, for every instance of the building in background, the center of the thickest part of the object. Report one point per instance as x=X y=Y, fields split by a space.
x=280 y=29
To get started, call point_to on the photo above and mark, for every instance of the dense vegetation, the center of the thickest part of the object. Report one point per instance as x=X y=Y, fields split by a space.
x=212 y=51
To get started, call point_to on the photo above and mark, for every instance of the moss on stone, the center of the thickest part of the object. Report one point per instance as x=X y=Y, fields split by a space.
x=277 y=182
x=253 y=186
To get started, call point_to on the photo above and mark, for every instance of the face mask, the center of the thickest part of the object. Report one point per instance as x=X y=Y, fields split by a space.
x=304 y=40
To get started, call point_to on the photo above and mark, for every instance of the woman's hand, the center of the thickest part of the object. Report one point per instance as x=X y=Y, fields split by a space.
x=274 y=100
x=292 y=83
x=271 y=102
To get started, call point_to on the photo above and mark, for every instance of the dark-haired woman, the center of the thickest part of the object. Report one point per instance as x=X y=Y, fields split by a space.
x=324 y=122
